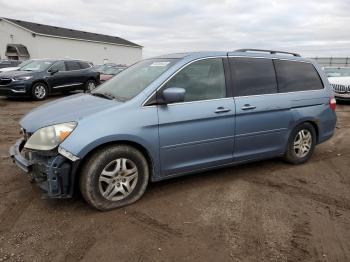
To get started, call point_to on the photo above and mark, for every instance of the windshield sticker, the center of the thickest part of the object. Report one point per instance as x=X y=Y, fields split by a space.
x=159 y=64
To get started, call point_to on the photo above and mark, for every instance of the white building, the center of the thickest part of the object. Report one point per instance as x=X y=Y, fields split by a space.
x=23 y=40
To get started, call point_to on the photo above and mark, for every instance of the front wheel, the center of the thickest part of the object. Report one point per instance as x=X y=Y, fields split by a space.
x=114 y=177
x=39 y=91
x=301 y=144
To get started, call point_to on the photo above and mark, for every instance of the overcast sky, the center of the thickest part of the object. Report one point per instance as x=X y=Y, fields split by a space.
x=311 y=27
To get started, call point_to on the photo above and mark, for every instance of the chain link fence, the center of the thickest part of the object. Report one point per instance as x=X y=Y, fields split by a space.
x=333 y=61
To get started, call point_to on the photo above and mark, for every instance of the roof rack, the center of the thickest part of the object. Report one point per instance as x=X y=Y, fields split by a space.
x=267 y=51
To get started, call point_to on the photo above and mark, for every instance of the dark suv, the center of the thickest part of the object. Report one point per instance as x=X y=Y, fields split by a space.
x=41 y=77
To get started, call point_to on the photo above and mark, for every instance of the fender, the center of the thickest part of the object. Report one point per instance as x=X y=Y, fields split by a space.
x=43 y=80
x=151 y=150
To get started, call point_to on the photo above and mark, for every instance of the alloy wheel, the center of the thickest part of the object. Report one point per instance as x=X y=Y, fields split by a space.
x=40 y=91
x=302 y=143
x=118 y=179
x=91 y=85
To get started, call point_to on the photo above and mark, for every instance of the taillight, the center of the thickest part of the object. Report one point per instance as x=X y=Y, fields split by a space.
x=332 y=103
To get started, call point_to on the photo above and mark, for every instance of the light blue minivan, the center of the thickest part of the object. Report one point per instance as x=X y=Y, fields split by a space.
x=173 y=115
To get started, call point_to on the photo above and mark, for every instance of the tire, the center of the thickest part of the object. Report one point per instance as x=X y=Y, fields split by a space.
x=39 y=91
x=301 y=144
x=105 y=185
x=90 y=85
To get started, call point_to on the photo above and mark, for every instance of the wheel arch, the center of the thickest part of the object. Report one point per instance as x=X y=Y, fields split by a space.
x=91 y=78
x=316 y=127
x=313 y=122
x=42 y=81
x=138 y=146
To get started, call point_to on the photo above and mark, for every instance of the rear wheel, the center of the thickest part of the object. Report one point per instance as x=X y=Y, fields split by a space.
x=301 y=144
x=39 y=91
x=90 y=85
x=114 y=177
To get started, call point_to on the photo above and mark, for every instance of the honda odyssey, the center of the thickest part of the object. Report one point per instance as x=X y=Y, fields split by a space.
x=174 y=115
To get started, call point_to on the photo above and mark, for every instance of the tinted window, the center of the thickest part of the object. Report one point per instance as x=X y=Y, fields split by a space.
x=253 y=76
x=202 y=80
x=84 y=65
x=296 y=76
x=72 y=65
x=59 y=66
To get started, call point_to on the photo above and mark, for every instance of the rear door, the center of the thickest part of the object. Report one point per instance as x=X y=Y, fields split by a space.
x=263 y=117
x=198 y=133
x=75 y=75
x=300 y=83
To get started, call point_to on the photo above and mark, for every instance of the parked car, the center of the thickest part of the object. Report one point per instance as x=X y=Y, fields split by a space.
x=7 y=69
x=110 y=72
x=42 y=77
x=174 y=115
x=104 y=67
x=339 y=78
x=9 y=63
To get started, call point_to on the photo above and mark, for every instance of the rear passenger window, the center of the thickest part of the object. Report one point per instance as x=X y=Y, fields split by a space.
x=72 y=65
x=295 y=76
x=253 y=76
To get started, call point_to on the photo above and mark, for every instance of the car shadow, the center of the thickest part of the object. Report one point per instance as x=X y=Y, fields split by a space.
x=224 y=176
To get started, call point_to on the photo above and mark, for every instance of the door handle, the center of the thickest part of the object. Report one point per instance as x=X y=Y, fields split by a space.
x=248 y=107
x=221 y=109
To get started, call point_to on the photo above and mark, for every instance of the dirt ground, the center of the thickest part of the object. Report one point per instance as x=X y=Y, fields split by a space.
x=266 y=211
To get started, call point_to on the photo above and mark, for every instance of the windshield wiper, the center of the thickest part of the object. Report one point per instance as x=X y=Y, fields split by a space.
x=110 y=96
x=104 y=95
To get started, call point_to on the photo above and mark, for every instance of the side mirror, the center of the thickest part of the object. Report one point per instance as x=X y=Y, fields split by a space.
x=173 y=95
x=53 y=71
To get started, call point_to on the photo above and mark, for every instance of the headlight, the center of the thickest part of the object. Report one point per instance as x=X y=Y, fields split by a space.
x=21 y=78
x=47 y=138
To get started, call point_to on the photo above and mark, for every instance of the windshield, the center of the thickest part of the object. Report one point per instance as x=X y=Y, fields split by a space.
x=37 y=66
x=133 y=80
x=337 y=72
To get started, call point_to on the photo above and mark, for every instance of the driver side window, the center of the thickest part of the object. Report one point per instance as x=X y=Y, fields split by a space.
x=202 y=80
x=59 y=66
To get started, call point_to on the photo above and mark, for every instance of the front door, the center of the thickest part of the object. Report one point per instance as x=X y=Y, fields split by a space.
x=59 y=77
x=198 y=133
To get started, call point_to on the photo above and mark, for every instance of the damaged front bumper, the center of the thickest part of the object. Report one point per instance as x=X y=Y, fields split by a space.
x=52 y=172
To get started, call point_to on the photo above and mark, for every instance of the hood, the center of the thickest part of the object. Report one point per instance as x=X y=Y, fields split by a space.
x=72 y=108
x=16 y=73
x=345 y=80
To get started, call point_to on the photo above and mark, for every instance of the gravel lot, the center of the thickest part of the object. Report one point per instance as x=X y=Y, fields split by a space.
x=265 y=211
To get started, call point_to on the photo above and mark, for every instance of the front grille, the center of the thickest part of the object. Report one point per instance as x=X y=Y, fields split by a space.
x=5 y=81
x=341 y=88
